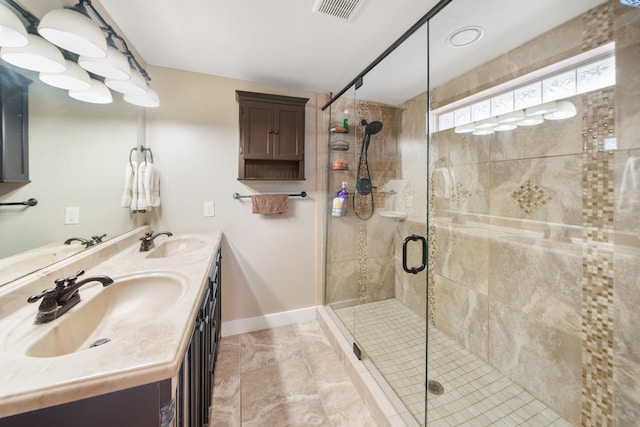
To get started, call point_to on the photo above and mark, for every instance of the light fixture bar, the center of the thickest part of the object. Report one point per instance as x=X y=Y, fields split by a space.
x=110 y=31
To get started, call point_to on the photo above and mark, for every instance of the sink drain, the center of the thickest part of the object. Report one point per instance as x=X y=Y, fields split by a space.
x=99 y=342
x=435 y=387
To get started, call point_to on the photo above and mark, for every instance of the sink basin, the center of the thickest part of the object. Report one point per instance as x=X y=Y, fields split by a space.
x=174 y=246
x=119 y=312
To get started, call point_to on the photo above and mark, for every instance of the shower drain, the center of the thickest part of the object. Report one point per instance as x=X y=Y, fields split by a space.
x=435 y=387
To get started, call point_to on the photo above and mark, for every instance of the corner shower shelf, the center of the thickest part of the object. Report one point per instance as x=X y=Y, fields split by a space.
x=397 y=215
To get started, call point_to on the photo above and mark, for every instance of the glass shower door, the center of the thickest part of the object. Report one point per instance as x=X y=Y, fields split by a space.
x=534 y=229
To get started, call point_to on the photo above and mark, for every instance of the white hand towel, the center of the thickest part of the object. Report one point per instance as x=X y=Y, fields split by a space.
x=134 y=190
x=141 y=199
x=152 y=186
x=125 y=201
x=629 y=197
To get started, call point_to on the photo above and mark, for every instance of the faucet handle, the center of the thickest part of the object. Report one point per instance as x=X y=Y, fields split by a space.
x=147 y=235
x=44 y=294
x=72 y=279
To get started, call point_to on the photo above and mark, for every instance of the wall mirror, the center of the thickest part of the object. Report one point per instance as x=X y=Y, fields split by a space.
x=77 y=158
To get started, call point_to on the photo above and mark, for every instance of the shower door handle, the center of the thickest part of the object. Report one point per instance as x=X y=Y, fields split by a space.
x=413 y=238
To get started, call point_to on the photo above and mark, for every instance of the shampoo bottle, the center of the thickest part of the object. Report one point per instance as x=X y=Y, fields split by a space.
x=344 y=195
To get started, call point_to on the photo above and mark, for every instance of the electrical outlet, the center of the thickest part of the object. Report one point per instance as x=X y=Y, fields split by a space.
x=72 y=215
x=209 y=209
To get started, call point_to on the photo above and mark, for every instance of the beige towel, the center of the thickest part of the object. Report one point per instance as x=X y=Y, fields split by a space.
x=270 y=203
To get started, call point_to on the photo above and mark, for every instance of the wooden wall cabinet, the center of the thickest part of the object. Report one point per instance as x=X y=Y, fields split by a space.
x=14 y=126
x=271 y=136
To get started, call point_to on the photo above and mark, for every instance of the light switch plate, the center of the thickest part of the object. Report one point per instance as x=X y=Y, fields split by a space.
x=72 y=215
x=209 y=209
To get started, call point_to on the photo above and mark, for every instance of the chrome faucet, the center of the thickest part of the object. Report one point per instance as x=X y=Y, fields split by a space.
x=88 y=243
x=57 y=301
x=147 y=240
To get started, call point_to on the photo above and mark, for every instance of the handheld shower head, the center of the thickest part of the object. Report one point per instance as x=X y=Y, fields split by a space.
x=373 y=128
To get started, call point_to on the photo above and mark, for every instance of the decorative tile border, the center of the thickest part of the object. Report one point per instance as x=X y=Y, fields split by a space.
x=598 y=255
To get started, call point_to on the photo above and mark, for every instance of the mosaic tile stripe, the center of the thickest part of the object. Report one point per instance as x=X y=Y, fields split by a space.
x=597 y=26
x=598 y=272
x=362 y=262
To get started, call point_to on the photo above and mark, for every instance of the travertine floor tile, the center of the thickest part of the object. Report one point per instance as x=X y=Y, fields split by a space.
x=268 y=347
x=283 y=377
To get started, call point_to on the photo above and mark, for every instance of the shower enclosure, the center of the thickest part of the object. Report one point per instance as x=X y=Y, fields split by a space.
x=497 y=277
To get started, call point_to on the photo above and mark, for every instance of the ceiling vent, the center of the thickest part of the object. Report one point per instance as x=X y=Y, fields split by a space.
x=343 y=9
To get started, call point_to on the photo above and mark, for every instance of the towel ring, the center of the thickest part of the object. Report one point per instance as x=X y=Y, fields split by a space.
x=144 y=152
x=130 y=153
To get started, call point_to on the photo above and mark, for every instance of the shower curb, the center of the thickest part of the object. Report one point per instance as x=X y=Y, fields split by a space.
x=382 y=409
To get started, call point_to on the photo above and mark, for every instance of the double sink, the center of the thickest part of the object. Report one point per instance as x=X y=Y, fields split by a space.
x=131 y=332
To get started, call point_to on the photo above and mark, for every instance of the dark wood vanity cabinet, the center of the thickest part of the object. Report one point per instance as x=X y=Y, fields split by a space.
x=14 y=126
x=271 y=136
x=195 y=387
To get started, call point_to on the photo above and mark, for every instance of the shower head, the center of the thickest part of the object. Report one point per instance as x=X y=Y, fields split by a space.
x=372 y=128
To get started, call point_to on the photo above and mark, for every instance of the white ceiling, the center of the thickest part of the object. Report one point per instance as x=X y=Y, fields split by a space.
x=285 y=44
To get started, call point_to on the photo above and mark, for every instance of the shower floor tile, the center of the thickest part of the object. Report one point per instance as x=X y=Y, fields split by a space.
x=475 y=394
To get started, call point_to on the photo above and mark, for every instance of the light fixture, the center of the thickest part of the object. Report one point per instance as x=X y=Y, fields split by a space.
x=468 y=128
x=150 y=99
x=565 y=110
x=514 y=116
x=38 y=55
x=536 y=110
x=114 y=66
x=98 y=94
x=464 y=37
x=135 y=85
x=73 y=30
x=12 y=31
x=505 y=126
x=74 y=78
x=531 y=121
x=483 y=132
x=486 y=123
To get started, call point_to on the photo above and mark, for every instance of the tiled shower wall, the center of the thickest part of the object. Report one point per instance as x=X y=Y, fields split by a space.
x=360 y=254
x=536 y=256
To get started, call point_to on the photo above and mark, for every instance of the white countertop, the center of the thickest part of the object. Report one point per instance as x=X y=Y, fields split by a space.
x=29 y=383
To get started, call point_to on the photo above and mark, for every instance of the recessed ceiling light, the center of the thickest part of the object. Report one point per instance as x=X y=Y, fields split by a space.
x=465 y=36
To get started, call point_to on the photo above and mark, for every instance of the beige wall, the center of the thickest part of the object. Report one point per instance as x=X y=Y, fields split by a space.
x=269 y=261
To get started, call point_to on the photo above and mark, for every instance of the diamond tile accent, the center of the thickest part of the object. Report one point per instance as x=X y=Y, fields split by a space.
x=530 y=197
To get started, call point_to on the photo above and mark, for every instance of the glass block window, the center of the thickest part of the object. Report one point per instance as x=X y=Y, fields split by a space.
x=580 y=79
x=596 y=75
x=502 y=104
x=446 y=121
x=481 y=110
x=462 y=116
x=527 y=96
x=560 y=86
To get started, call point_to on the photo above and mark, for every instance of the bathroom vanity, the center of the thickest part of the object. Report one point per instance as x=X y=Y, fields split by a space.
x=139 y=352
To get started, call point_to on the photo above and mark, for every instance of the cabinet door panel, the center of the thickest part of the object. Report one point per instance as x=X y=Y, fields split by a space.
x=289 y=141
x=256 y=128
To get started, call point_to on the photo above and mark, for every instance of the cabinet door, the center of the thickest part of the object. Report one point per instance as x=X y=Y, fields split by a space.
x=256 y=130
x=289 y=135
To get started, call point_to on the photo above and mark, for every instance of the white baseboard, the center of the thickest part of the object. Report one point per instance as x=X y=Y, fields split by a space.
x=242 y=326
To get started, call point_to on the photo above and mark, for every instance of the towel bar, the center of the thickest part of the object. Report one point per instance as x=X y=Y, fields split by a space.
x=301 y=194
x=30 y=202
